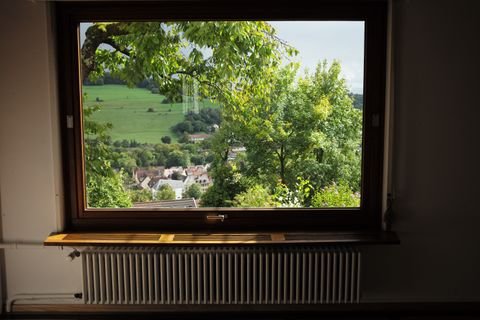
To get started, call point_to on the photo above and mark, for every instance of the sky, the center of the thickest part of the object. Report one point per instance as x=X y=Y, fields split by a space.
x=319 y=40
x=330 y=40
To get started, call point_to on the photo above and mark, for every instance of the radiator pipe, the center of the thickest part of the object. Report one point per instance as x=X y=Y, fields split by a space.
x=41 y=296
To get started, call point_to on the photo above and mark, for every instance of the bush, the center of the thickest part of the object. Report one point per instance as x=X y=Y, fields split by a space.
x=150 y=110
x=336 y=195
x=166 y=139
x=165 y=192
x=255 y=197
x=140 y=195
x=197 y=159
x=177 y=158
x=194 y=191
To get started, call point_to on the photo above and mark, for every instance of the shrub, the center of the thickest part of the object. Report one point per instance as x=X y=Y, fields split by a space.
x=336 y=195
x=166 y=139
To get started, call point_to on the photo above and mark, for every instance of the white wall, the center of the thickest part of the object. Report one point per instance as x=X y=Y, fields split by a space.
x=436 y=157
x=435 y=165
x=30 y=184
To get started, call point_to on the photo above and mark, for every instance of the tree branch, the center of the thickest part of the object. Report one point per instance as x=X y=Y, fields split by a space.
x=94 y=37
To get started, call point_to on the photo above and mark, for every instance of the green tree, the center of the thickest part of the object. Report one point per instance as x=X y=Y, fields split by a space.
x=177 y=158
x=336 y=195
x=257 y=196
x=166 y=139
x=197 y=159
x=104 y=185
x=228 y=182
x=194 y=191
x=309 y=128
x=242 y=55
x=142 y=195
x=165 y=192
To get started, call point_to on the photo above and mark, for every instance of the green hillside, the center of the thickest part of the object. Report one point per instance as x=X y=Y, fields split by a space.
x=127 y=110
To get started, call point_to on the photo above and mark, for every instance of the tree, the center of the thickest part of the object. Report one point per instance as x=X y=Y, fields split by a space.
x=336 y=195
x=194 y=191
x=145 y=157
x=177 y=158
x=257 y=196
x=197 y=159
x=166 y=139
x=142 y=195
x=104 y=185
x=165 y=192
x=228 y=182
x=242 y=55
x=310 y=129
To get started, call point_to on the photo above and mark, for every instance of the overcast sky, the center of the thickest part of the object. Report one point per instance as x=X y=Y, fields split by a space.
x=318 y=40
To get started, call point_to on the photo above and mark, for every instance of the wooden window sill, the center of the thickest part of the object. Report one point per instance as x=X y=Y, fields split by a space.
x=188 y=239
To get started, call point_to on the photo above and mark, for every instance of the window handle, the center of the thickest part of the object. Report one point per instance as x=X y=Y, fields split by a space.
x=217 y=217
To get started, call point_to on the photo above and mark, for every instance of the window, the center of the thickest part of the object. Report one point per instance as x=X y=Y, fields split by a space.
x=199 y=115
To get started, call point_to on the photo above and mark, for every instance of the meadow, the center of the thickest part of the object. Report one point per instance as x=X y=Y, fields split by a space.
x=127 y=109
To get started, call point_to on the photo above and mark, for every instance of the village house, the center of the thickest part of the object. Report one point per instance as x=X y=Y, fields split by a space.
x=198 y=137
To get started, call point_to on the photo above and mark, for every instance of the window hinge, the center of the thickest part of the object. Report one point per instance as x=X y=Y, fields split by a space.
x=70 y=122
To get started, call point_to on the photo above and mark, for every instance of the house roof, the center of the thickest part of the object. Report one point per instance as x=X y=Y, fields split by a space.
x=183 y=203
x=175 y=184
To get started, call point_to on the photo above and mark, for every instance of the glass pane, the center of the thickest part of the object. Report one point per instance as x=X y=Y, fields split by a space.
x=222 y=114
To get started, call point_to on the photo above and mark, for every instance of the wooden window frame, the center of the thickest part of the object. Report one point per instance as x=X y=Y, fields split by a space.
x=366 y=218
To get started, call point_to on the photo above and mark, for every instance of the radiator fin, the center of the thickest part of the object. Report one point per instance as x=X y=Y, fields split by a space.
x=221 y=275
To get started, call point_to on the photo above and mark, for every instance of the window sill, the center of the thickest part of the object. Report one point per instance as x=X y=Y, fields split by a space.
x=188 y=239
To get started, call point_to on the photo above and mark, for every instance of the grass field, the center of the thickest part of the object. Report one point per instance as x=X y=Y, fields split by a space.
x=126 y=109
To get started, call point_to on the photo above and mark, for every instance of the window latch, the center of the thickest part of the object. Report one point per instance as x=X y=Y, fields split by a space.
x=217 y=217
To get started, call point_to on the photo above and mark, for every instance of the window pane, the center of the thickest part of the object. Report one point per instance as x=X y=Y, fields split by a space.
x=222 y=114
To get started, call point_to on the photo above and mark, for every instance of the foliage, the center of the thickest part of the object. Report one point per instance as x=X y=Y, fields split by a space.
x=197 y=159
x=228 y=182
x=145 y=157
x=198 y=122
x=104 y=186
x=142 y=195
x=165 y=192
x=255 y=197
x=296 y=197
x=226 y=60
x=177 y=158
x=194 y=191
x=166 y=139
x=301 y=134
x=310 y=130
x=336 y=195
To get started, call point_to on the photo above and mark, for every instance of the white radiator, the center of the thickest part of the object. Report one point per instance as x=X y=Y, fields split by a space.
x=221 y=275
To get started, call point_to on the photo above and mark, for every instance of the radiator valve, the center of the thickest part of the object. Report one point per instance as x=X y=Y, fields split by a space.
x=74 y=254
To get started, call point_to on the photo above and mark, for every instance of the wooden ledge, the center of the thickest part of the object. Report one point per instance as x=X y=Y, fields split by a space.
x=182 y=239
